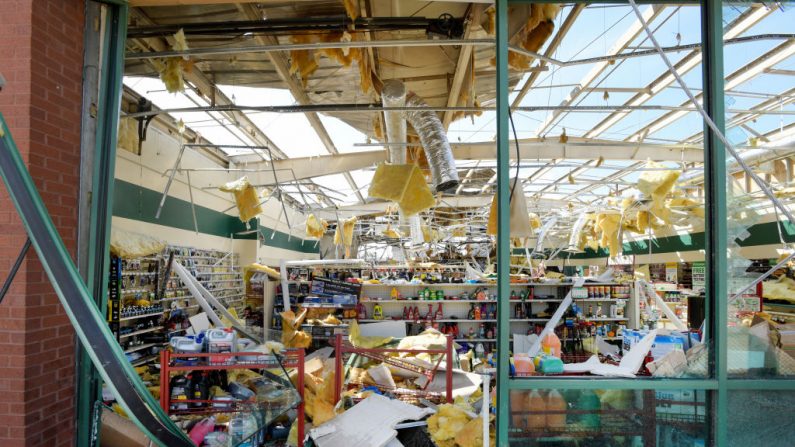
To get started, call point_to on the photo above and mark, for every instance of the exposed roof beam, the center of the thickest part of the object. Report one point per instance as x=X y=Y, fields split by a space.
x=208 y=90
x=741 y=119
x=531 y=149
x=464 y=64
x=550 y=51
x=477 y=201
x=134 y=3
x=778 y=54
x=634 y=30
x=690 y=61
x=280 y=62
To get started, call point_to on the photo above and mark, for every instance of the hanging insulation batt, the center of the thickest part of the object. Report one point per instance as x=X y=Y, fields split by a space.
x=403 y=184
x=656 y=184
x=245 y=197
x=520 y=223
x=171 y=70
x=608 y=225
x=315 y=227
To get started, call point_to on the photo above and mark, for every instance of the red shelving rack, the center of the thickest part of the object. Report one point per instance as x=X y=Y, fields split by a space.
x=290 y=358
x=381 y=354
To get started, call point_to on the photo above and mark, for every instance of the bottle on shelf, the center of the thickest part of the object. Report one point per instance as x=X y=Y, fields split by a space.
x=537 y=405
x=476 y=315
x=556 y=407
x=439 y=315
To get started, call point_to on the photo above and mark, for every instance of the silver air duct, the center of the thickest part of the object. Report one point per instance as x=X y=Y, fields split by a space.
x=393 y=94
x=434 y=140
x=574 y=238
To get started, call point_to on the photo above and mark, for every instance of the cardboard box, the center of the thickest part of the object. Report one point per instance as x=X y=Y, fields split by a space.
x=118 y=431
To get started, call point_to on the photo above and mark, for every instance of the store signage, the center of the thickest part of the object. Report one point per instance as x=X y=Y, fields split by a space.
x=671 y=269
x=330 y=287
x=698 y=276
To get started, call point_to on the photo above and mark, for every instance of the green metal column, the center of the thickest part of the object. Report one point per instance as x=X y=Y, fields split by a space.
x=88 y=381
x=715 y=225
x=503 y=228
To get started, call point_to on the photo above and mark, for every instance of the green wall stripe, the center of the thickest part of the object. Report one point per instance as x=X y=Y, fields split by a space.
x=760 y=234
x=135 y=202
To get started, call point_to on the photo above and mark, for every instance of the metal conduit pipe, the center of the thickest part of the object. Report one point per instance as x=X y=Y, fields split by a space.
x=393 y=94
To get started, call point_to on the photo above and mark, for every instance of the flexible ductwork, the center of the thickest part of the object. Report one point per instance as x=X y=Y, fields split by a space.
x=434 y=140
x=574 y=238
x=393 y=94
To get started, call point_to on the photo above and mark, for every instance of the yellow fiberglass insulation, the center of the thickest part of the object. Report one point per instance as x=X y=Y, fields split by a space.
x=344 y=233
x=246 y=198
x=352 y=8
x=403 y=184
x=608 y=228
x=391 y=232
x=448 y=421
x=519 y=218
x=429 y=235
x=656 y=184
x=783 y=289
x=315 y=227
x=128 y=135
x=361 y=341
x=690 y=206
x=539 y=26
x=171 y=74
x=129 y=245
x=171 y=70
x=292 y=336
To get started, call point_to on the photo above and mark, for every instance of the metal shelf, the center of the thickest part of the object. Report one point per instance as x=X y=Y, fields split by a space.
x=143 y=360
x=135 y=317
x=142 y=331
x=141 y=347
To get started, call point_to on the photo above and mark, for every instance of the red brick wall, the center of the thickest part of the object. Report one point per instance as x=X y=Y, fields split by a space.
x=41 y=54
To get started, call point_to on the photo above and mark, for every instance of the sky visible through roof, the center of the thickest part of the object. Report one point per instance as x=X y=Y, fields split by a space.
x=593 y=34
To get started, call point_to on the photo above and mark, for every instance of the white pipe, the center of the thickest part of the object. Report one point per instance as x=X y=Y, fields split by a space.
x=553 y=322
x=393 y=94
x=484 y=409
x=186 y=278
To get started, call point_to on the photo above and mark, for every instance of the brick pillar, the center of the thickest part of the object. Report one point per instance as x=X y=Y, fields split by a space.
x=41 y=57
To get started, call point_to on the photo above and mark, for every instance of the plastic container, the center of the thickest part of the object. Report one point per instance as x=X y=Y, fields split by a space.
x=216 y=439
x=221 y=341
x=518 y=403
x=551 y=344
x=556 y=406
x=537 y=406
x=241 y=428
x=179 y=392
x=523 y=364
x=201 y=430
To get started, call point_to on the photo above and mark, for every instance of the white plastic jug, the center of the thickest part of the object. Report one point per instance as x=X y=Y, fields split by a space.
x=221 y=341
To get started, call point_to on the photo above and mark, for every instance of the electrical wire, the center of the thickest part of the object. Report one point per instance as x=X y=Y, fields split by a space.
x=518 y=156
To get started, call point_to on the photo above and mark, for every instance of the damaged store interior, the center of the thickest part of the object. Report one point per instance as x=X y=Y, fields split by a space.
x=390 y=223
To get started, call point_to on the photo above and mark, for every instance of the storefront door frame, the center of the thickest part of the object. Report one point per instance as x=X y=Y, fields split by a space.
x=717 y=384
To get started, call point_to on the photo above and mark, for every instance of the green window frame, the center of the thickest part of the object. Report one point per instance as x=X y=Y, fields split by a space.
x=717 y=383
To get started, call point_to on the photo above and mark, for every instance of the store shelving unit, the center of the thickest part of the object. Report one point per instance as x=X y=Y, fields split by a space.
x=292 y=398
x=137 y=279
x=544 y=299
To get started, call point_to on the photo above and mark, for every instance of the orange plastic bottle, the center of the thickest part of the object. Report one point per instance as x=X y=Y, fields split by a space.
x=537 y=406
x=518 y=404
x=551 y=344
x=556 y=405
